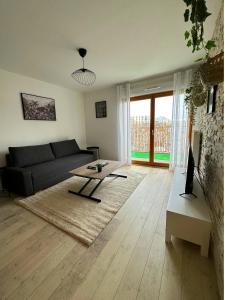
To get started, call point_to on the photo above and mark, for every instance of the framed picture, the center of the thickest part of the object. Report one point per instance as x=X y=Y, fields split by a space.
x=38 y=108
x=100 y=109
x=211 y=99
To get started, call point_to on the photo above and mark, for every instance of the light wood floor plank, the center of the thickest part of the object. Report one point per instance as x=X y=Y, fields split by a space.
x=28 y=285
x=129 y=260
x=197 y=273
x=135 y=206
x=130 y=282
x=73 y=280
x=23 y=265
x=172 y=271
x=117 y=268
x=54 y=278
x=8 y=209
x=14 y=246
x=151 y=280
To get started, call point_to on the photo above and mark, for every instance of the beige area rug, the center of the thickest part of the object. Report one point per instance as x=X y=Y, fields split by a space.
x=80 y=217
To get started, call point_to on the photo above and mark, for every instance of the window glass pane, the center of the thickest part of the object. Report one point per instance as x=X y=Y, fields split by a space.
x=140 y=130
x=162 y=131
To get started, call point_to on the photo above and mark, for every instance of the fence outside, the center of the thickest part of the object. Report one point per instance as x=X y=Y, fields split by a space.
x=140 y=135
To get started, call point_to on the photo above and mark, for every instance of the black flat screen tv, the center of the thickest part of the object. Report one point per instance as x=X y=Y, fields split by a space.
x=190 y=172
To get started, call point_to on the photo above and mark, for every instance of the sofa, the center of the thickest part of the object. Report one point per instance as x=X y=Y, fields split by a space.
x=34 y=168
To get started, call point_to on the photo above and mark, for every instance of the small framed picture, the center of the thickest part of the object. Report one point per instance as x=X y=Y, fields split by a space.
x=100 y=109
x=211 y=99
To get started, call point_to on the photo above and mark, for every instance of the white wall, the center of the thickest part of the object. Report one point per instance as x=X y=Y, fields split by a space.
x=15 y=131
x=164 y=83
x=102 y=132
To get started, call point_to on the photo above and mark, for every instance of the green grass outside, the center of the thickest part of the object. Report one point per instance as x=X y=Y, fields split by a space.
x=145 y=155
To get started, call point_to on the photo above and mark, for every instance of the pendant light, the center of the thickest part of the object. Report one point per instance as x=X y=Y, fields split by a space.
x=84 y=76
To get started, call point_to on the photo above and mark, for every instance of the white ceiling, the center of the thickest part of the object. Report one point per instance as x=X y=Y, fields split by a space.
x=126 y=39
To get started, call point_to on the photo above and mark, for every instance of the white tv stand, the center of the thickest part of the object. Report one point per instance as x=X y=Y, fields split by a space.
x=188 y=217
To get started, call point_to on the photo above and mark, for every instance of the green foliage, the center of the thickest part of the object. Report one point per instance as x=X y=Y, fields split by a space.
x=199 y=59
x=210 y=44
x=188 y=2
x=186 y=34
x=195 y=94
x=189 y=103
x=196 y=13
x=189 y=43
x=186 y=15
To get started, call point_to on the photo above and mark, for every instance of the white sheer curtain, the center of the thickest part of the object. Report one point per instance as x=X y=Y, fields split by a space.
x=179 y=140
x=123 y=122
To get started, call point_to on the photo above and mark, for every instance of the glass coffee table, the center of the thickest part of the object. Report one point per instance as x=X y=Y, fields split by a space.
x=90 y=174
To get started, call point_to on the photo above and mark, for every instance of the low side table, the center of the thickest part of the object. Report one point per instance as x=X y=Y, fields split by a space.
x=94 y=149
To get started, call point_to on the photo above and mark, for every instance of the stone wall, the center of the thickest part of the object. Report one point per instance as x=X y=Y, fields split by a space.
x=211 y=162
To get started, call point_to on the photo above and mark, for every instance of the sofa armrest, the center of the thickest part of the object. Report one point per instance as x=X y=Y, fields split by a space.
x=94 y=153
x=19 y=181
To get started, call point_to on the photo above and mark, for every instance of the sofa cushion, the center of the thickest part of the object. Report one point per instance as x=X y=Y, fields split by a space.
x=65 y=148
x=52 y=172
x=30 y=155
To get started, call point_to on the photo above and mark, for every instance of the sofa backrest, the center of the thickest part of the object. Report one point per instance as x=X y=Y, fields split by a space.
x=30 y=155
x=65 y=148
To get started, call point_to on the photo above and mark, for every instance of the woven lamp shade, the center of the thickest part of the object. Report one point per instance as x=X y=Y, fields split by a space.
x=84 y=76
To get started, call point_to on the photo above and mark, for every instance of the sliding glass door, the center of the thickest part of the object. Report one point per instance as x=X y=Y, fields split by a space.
x=162 y=129
x=140 y=130
x=151 y=120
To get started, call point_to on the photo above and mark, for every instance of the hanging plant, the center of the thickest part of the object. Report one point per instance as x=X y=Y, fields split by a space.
x=195 y=94
x=197 y=12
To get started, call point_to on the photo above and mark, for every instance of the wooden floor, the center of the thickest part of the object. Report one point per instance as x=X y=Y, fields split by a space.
x=129 y=260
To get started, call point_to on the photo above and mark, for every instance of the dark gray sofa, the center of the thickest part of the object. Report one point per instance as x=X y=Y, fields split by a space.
x=34 y=168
